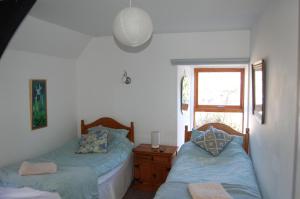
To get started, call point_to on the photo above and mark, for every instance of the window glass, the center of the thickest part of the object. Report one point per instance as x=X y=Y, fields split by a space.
x=219 y=96
x=234 y=120
x=258 y=87
x=219 y=88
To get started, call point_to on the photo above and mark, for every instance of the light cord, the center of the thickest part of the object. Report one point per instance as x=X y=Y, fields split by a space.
x=130 y=3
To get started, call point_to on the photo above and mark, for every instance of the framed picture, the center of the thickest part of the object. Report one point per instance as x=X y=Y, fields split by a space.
x=259 y=90
x=38 y=103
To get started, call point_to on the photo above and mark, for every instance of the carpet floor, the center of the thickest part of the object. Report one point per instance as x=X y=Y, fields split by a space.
x=137 y=194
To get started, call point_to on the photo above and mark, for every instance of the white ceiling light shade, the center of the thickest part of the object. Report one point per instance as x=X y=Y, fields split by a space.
x=133 y=27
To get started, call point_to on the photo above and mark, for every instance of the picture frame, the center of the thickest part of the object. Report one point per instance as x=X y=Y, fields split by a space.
x=259 y=90
x=38 y=103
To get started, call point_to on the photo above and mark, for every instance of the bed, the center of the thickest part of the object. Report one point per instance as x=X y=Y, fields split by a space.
x=232 y=168
x=100 y=175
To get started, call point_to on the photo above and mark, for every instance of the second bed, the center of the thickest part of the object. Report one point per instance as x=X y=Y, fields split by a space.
x=232 y=168
x=83 y=176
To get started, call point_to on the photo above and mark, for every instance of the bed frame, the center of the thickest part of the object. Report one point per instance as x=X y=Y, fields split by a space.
x=108 y=122
x=224 y=127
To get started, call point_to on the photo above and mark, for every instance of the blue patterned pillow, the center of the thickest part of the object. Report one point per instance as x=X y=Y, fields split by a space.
x=93 y=143
x=112 y=132
x=196 y=133
x=121 y=132
x=213 y=140
x=101 y=130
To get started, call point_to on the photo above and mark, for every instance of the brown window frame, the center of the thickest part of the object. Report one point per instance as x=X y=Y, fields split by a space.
x=219 y=108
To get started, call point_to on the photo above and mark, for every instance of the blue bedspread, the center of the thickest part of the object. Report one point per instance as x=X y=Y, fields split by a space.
x=118 y=151
x=69 y=182
x=77 y=173
x=232 y=168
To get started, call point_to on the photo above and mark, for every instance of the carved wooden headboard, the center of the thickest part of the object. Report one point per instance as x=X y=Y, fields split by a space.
x=224 y=127
x=111 y=123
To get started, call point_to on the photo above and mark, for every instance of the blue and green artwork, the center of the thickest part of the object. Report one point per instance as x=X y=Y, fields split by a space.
x=38 y=98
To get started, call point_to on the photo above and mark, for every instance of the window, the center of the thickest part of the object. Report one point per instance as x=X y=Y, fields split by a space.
x=219 y=96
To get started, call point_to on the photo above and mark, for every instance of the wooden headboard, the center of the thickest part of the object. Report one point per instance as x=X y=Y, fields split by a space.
x=111 y=123
x=224 y=127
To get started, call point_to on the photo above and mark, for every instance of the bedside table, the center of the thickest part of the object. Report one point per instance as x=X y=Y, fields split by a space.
x=152 y=166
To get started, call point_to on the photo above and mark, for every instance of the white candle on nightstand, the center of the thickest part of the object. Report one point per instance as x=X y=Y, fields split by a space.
x=155 y=137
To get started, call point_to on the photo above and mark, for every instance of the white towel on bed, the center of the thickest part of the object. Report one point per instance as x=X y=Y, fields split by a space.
x=28 y=168
x=26 y=193
x=208 y=191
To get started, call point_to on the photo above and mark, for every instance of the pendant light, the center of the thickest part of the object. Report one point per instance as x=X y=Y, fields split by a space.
x=133 y=27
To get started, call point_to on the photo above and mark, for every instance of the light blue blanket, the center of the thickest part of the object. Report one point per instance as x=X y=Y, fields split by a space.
x=232 y=168
x=77 y=173
x=118 y=151
x=69 y=182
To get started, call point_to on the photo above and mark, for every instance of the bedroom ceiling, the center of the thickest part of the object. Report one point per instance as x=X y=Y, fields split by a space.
x=95 y=17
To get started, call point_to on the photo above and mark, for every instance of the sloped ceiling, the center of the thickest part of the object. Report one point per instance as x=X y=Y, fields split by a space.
x=95 y=17
x=38 y=36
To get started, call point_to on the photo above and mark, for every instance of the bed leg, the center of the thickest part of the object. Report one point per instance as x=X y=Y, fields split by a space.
x=247 y=140
x=82 y=127
x=132 y=131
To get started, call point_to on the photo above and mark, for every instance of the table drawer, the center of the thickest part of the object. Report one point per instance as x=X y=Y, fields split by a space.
x=159 y=159
x=140 y=157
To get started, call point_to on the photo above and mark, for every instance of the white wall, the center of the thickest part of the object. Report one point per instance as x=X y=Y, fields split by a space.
x=297 y=168
x=151 y=100
x=17 y=141
x=184 y=117
x=38 y=36
x=17 y=67
x=275 y=39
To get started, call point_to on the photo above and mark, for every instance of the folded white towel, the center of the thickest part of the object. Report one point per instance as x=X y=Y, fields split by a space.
x=26 y=193
x=208 y=191
x=28 y=168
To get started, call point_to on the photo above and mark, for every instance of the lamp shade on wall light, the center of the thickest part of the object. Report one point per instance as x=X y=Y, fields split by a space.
x=133 y=27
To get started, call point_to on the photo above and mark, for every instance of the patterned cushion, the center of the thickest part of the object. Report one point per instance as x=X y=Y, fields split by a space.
x=196 y=133
x=213 y=140
x=101 y=130
x=121 y=132
x=93 y=143
x=112 y=132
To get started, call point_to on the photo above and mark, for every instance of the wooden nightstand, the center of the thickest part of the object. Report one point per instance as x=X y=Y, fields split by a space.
x=152 y=166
